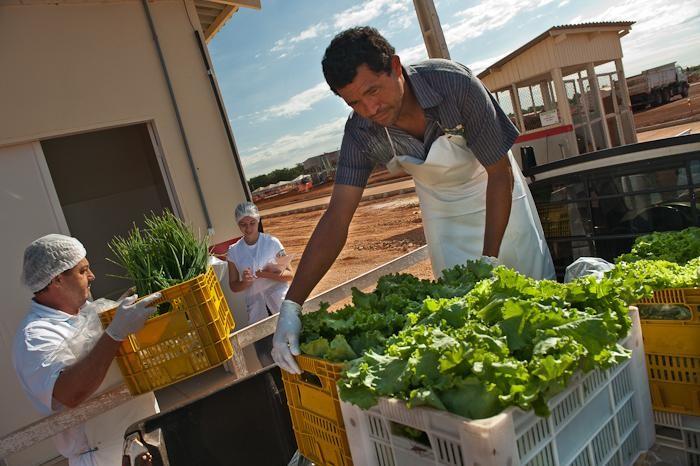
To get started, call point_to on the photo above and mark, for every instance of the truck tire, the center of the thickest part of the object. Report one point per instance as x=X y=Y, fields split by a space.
x=665 y=95
x=684 y=90
x=656 y=99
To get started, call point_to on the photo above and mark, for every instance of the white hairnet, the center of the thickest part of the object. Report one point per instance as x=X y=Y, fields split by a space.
x=49 y=256
x=246 y=209
x=587 y=266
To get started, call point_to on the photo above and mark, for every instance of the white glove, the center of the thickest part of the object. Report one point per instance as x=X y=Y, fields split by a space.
x=493 y=261
x=131 y=316
x=285 y=343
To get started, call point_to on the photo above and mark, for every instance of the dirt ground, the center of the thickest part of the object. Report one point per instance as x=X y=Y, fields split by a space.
x=382 y=230
x=675 y=110
x=375 y=179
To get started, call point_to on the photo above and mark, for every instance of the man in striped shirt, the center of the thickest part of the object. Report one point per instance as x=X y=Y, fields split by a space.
x=398 y=112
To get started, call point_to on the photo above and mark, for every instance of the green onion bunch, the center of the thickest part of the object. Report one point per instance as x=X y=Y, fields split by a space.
x=164 y=253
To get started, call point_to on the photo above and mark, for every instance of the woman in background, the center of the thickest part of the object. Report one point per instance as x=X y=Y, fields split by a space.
x=259 y=267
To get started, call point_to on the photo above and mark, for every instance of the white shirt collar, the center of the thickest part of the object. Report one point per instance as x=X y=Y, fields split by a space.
x=47 y=312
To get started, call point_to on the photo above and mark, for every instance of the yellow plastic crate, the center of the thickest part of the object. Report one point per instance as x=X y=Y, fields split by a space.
x=314 y=406
x=672 y=350
x=190 y=338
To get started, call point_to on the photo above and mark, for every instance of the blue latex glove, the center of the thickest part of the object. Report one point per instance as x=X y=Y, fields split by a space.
x=285 y=343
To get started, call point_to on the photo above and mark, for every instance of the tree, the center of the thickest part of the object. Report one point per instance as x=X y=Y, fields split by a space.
x=275 y=176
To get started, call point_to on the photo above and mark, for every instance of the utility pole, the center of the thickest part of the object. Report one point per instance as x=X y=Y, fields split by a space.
x=432 y=30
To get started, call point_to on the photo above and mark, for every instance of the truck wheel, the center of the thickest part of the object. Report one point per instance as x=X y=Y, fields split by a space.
x=656 y=99
x=684 y=90
x=665 y=96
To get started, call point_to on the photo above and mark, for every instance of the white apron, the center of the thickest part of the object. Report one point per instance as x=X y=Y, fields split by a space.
x=99 y=441
x=264 y=293
x=451 y=187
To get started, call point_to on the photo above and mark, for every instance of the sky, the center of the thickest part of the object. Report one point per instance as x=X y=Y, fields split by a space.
x=268 y=61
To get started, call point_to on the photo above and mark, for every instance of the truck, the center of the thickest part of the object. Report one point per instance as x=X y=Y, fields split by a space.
x=657 y=86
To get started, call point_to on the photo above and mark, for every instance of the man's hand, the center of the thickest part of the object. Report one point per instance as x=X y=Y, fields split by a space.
x=131 y=316
x=285 y=343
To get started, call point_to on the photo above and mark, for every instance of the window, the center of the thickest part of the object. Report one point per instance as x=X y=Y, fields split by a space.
x=600 y=212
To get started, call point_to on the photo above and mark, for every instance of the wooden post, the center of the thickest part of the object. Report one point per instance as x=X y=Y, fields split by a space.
x=430 y=26
x=618 y=114
x=562 y=99
x=626 y=103
x=532 y=100
x=515 y=97
x=598 y=101
x=565 y=117
x=623 y=84
x=587 y=114
x=546 y=96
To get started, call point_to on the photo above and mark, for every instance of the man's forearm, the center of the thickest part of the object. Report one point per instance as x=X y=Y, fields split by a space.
x=499 y=191
x=321 y=251
x=80 y=380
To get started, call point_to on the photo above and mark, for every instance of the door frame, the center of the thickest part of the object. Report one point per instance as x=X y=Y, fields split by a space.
x=50 y=188
x=157 y=151
x=164 y=170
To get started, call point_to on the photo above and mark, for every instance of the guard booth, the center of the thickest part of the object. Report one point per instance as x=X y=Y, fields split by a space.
x=565 y=90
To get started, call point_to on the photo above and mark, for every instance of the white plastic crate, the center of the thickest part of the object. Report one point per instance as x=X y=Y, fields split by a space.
x=602 y=418
x=679 y=435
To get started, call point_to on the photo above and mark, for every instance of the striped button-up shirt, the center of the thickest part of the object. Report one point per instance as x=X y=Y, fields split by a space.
x=450 y=95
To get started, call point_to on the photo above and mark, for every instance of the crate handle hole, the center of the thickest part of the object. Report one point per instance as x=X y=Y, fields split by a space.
x=664 y=311
x=410 y=433
x=163 y=308
x=311 y=379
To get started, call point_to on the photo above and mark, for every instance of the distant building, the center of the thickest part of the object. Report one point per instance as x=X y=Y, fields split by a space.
x=322 y=167
x=325 y=161
x=555 y=90
x=301 y=183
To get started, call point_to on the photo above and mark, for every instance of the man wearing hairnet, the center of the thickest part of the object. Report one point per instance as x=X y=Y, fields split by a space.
x=62 y=356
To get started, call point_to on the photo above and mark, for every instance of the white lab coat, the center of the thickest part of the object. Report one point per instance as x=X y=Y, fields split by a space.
x=48 y=341
x=451 y=188
x=264 y=293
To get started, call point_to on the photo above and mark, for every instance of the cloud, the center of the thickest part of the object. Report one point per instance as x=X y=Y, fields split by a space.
x=296 y=104
x=288 y=43
x=650 y=15
x=488 y=15
x=290 y=149
x=360 y=15
x=400 y=16
x=473 y=22
x=654 y=19
x=480 y=65
x=401 y=21
x=413 y=54
x=660 y=33
x=309 y=33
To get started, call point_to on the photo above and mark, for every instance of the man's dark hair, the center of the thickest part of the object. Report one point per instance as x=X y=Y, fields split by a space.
x=352 y=48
